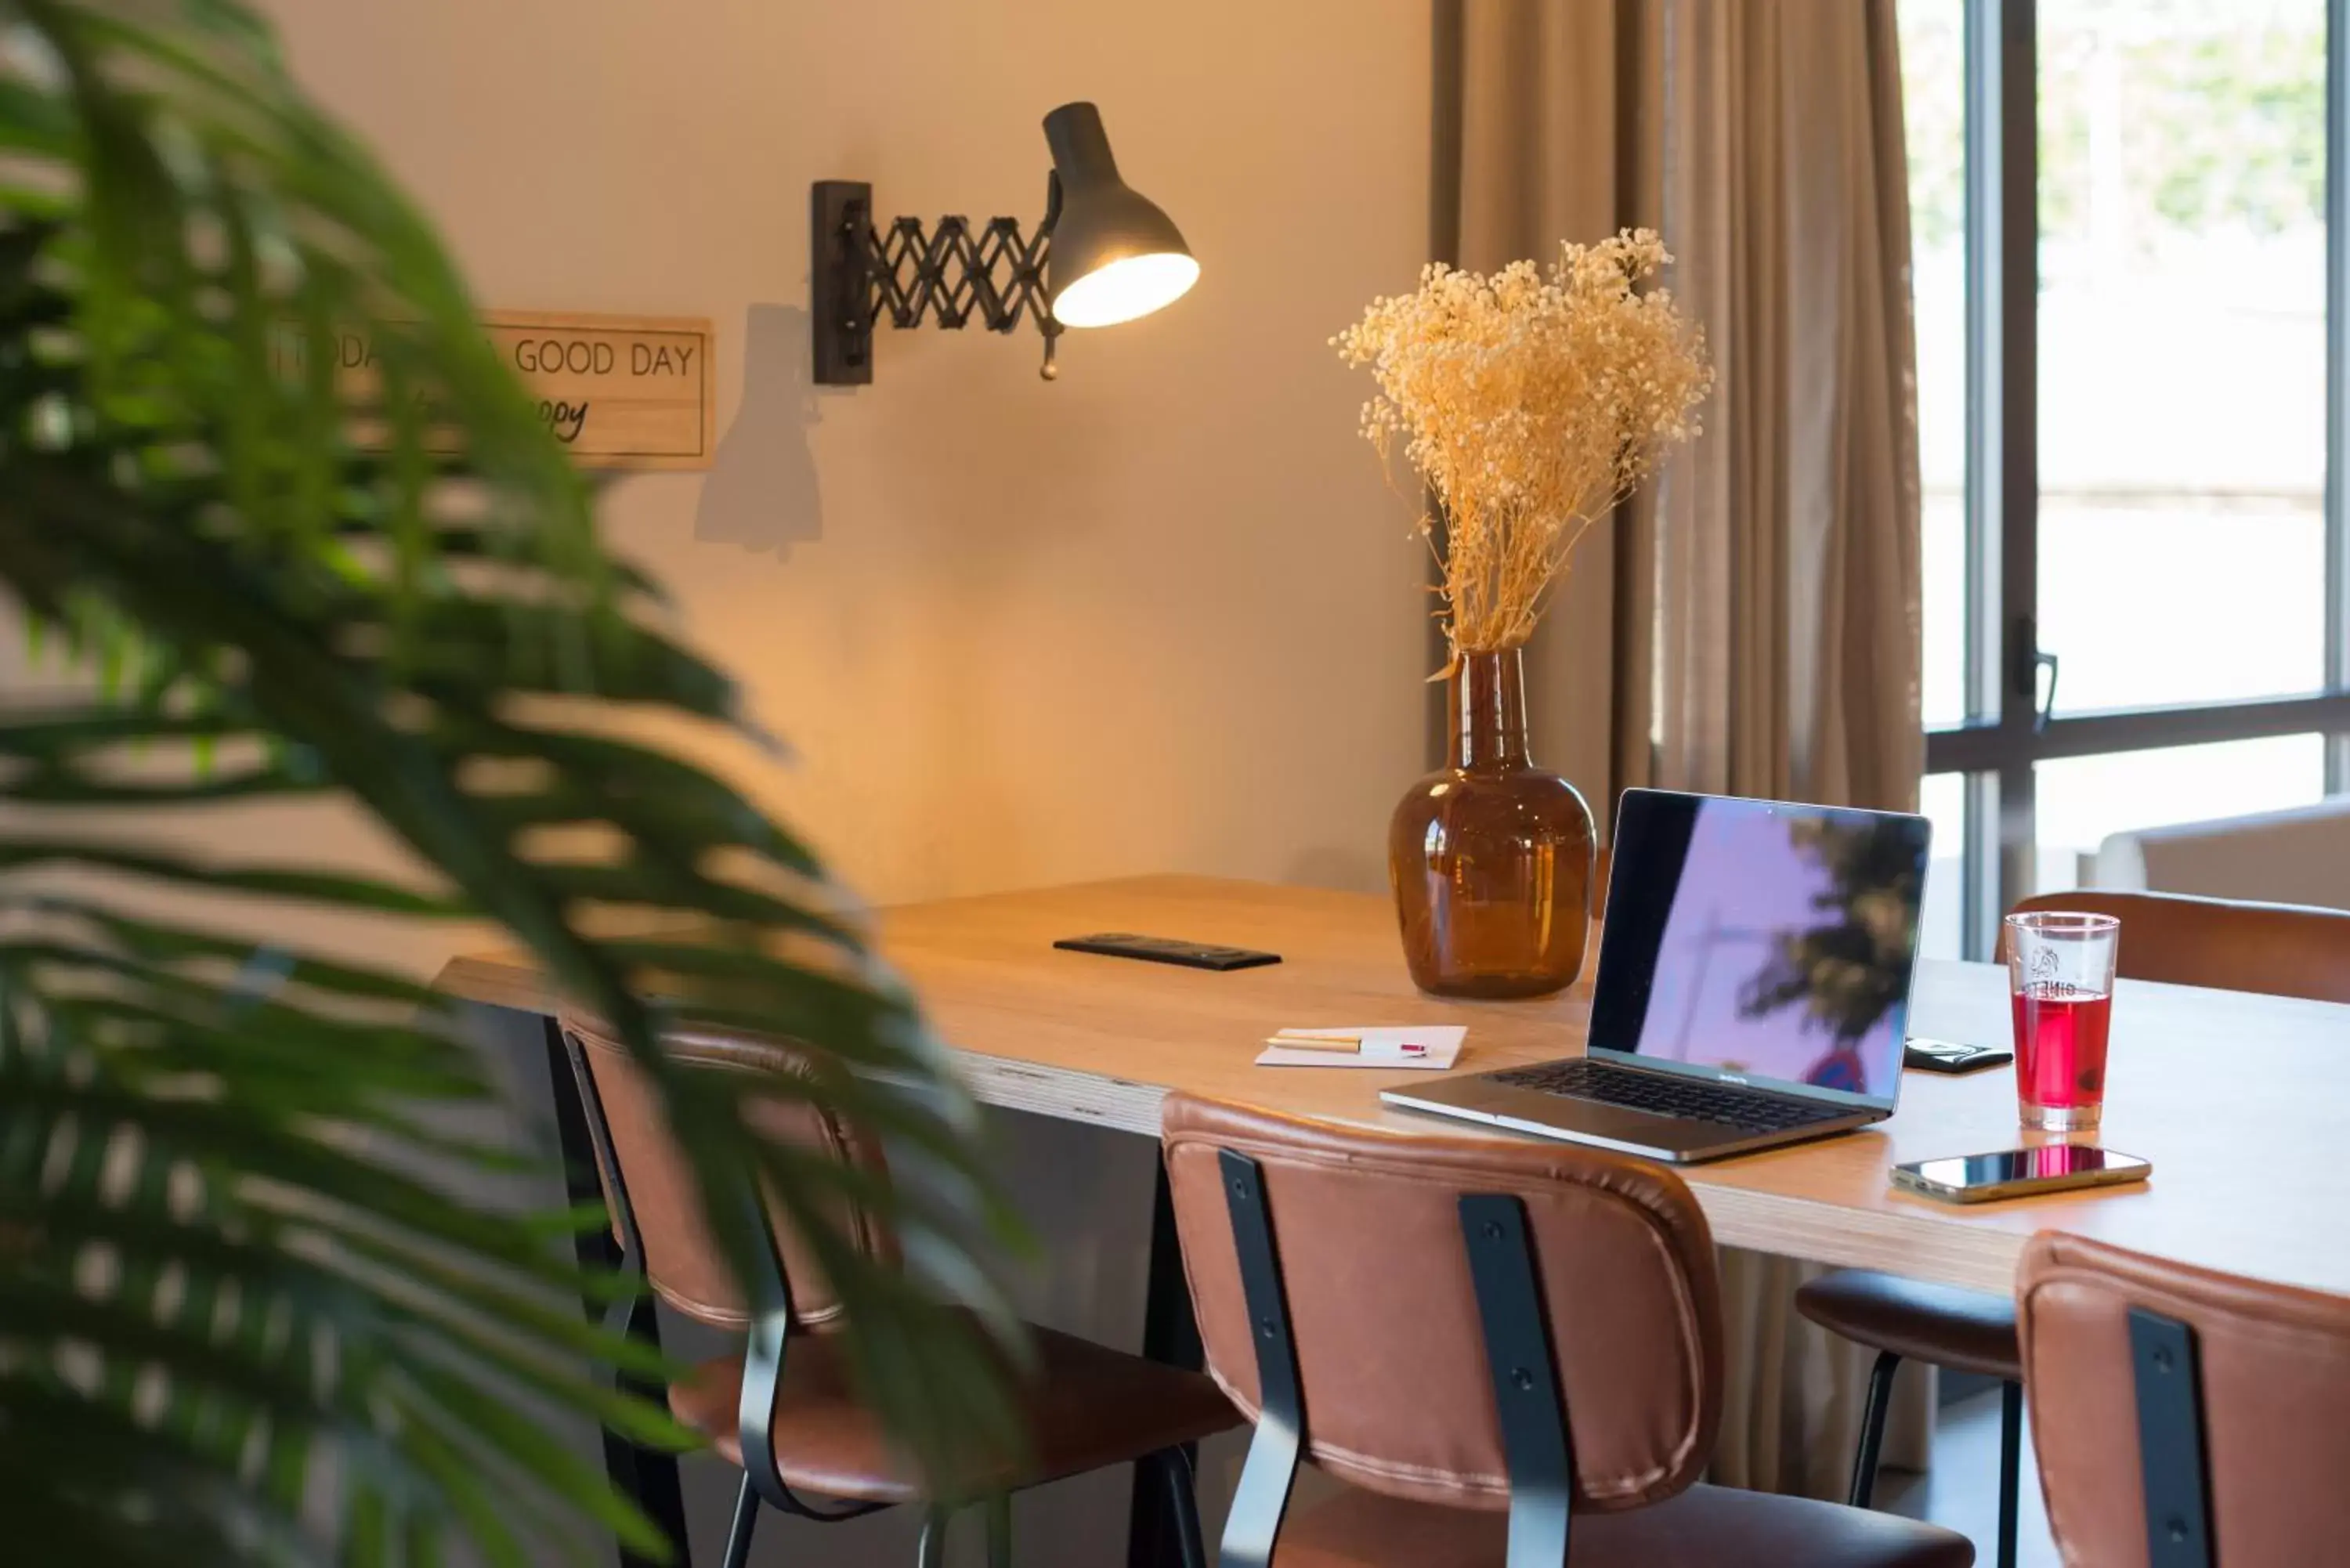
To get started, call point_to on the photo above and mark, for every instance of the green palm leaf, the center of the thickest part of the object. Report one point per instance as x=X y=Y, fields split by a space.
x=237 y=1271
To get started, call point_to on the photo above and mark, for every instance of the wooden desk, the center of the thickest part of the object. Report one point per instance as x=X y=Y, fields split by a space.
x=2239 y=1100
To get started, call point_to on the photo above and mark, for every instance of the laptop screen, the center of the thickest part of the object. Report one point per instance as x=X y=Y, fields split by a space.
x=1762 y=940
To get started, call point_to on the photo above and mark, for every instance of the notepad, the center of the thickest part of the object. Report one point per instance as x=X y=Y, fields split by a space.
x=1437 y=1047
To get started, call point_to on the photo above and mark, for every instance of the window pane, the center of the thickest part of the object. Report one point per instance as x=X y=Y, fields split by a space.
x=1941 y=932
x=1934 y=88
x=2082 y=799
x=2182 y=348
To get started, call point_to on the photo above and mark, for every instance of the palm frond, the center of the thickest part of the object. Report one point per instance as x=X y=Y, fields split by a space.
x=237 y=1267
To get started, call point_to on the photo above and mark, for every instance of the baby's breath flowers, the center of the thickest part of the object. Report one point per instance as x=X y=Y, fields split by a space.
x=1532 y=405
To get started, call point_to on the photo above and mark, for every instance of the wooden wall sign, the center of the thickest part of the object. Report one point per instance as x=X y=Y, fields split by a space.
x=619 y=391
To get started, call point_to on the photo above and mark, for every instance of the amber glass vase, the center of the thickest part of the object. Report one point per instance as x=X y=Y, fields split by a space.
x=1489 y=856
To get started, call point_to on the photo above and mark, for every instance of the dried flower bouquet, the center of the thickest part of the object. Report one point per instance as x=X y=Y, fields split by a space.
x=1531 y=404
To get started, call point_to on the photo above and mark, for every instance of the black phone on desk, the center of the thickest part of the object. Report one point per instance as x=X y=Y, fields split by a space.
x=2020 y=1172
x=1949 y=1056
x=1168 y=950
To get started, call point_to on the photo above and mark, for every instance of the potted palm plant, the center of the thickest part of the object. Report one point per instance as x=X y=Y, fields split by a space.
x=245 y=1315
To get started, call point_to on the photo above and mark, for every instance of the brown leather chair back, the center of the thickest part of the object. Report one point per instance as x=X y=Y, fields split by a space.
x=2228 y=944
x=1397 y=1395
x=2274 y=1375
x=681 y=1262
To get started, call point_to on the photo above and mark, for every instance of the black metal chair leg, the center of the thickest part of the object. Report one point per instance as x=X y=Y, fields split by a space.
x=930 y=1551
x=746 y=1514
x=1872 y=1427
x=646 y=1477
x=2011 y=1466
x=1174 y=1467
x=1170 y=1336
x=999 y=1531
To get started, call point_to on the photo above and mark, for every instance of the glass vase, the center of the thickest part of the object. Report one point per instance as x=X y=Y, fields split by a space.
x=1490 y=857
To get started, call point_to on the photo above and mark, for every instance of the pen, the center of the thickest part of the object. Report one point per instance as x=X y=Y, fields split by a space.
x=1342 y=1040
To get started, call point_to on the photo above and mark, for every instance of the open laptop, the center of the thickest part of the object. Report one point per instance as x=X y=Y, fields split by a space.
x=1754 y=989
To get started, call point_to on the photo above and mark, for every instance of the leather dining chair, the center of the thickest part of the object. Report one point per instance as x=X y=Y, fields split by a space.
x=2184 y=1418
x=806 y=1445
x=2226 y=944
x=2280 y=950
x=1503 y=1355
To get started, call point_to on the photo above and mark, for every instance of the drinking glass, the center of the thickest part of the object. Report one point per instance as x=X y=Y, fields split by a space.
x=2060 y=971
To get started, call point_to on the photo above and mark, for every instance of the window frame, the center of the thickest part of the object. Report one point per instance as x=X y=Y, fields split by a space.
x=2005 y=735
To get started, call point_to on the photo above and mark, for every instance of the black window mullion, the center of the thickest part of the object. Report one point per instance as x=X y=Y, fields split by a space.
x=1987 y=747
x=1995 y=746
x=2019 y=454
x=1985 y=617
x=2337 y=379
x=1979 y=889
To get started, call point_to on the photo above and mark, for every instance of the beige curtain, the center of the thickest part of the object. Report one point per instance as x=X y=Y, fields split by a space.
x=1751 y=627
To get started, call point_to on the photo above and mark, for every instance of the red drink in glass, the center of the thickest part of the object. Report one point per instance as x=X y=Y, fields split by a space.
x=2060 y=1047
x=2060 y=969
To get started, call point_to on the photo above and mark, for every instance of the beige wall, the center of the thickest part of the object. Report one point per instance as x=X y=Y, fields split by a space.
x=1161 y=614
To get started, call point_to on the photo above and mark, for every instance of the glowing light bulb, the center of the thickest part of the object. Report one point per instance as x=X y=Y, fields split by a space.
x=1126 y=288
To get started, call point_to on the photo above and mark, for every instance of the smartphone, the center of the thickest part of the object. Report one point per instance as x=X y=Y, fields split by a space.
x=2020 y=1172
x=1946 y=1056
x=1168 y=950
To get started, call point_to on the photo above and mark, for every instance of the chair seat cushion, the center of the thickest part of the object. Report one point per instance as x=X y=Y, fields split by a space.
x=1947 y=1325
x=1085 y=1406
x=1704 y=1527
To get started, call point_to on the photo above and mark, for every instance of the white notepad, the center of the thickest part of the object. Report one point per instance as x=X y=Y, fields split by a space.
x=1382 y=1048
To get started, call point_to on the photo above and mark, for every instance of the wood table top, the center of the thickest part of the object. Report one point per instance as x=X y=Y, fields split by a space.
x=2238 y=1099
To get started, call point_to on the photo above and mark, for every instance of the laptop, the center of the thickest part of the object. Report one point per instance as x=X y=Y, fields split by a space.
x=1753 y=990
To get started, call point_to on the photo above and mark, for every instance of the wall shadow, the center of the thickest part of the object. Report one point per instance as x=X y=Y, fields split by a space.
x=761 y=492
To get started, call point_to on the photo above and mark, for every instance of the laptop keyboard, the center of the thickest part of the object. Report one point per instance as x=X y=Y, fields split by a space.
x=1748 y=1110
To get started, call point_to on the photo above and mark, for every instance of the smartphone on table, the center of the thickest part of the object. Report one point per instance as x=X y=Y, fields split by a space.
x=2020 y=1172
x=1947 y=1056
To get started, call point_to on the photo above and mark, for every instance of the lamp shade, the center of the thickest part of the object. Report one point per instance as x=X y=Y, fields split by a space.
x=1114 y=255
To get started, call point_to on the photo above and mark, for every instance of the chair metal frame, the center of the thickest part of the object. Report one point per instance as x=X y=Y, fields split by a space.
x=2167 y=1381
x=770 y=1300
x=766 y=1343
x=648 y=1477
x=1878 y=1408
x=1537 y=1440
